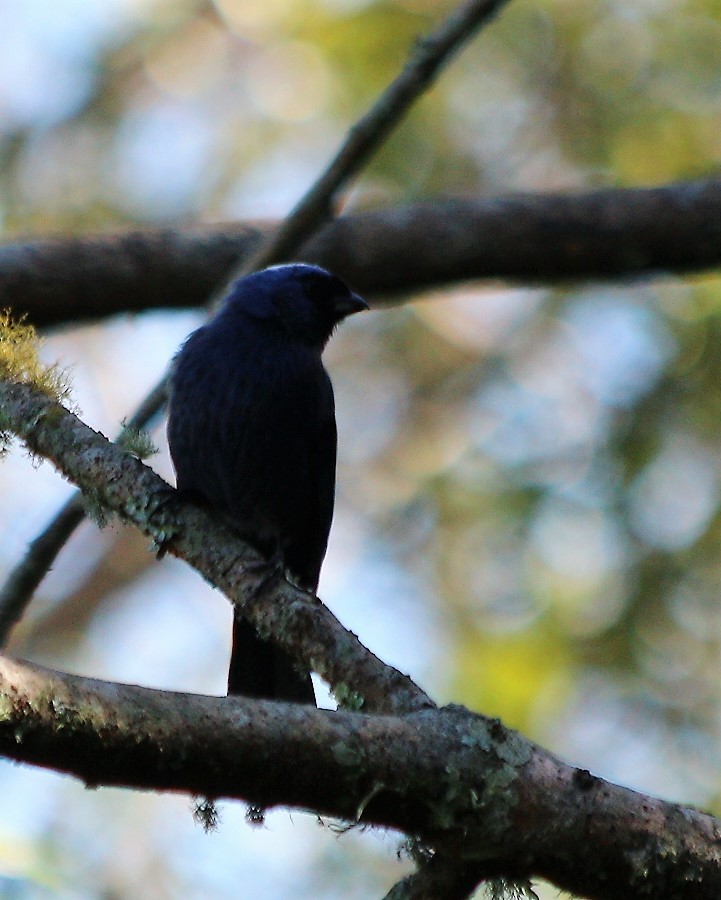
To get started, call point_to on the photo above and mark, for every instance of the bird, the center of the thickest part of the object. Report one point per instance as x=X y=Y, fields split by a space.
x=252 y=435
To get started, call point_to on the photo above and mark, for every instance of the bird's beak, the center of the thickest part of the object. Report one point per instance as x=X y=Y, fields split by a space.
x=346 y=306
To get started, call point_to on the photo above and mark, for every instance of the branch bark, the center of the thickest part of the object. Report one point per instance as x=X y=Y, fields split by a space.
x=473 y=790
x=443 y=876
x=603 y=234
x=112 y=479
x=469 y=787
x=460 y=782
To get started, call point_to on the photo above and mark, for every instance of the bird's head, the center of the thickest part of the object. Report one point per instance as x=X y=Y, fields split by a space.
x=307 y=301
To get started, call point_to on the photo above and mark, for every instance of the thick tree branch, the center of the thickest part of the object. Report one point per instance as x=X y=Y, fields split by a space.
x=113 y=479
x=461 y=783
x=611 y=233
x=471 y=789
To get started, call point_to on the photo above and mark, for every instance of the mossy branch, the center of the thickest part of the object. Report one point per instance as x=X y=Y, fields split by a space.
x=433 y=774
x=463 y=784
x=20 y=362
x=117 y=482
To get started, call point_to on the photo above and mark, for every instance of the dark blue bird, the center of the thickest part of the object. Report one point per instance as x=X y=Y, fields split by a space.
x=252 y=434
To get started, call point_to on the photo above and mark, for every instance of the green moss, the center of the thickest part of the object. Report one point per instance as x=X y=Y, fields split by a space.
x=490 y=735
x=20 y=361
x=417 y=850
x=317 y=666
x=348 y=698
x=503 y=889
x=136 y=441
x=95 y=510
x=478 y=735
x=515 y=749
x=7 y=708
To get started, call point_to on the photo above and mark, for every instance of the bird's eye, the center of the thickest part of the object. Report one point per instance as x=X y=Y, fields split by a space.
x=326 y=290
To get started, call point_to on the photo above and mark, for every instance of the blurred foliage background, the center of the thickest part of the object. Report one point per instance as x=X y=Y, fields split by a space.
x=529 y=478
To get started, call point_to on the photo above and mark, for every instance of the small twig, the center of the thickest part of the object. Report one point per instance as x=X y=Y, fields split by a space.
x=363 y=139
x=24 y=579
x=429 y=56
x=449 y=878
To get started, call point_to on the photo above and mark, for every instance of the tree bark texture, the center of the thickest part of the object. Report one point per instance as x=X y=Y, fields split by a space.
x=461 y=783
x=471 y=789
x=604 y=234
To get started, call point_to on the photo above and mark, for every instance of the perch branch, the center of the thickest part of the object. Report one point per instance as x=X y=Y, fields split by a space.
x=463 y=784
x=112 y=479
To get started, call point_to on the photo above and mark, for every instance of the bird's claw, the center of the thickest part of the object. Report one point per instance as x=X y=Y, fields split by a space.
x=269 y=570
x=165 y=505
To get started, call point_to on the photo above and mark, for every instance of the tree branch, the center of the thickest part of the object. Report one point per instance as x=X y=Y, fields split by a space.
x=473 y=790
x=459 y=782
x=428 y=58
x=604 y=234
x=112 y=479
x=37 y=562
x=24 y=579
x=443 y=876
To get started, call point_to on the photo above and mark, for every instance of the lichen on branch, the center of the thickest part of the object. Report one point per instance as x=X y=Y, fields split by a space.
x=20 y=362
x=20 y=359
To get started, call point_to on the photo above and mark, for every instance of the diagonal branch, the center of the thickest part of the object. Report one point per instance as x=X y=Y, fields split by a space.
x=112 y=478
x=463 y=784
x=42 y=552
x=447 y=877
x=24 y=579
x=428 y=58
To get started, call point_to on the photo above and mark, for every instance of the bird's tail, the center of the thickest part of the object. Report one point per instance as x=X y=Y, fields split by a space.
x=262 y=670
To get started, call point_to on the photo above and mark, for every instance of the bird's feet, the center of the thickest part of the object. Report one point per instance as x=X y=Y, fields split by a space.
x=165 y=507
x=269 y=571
